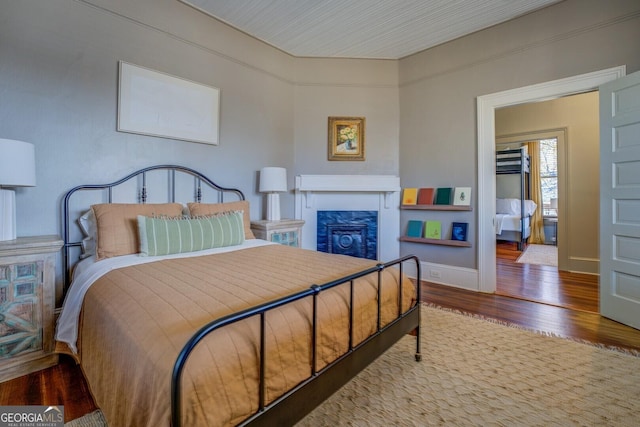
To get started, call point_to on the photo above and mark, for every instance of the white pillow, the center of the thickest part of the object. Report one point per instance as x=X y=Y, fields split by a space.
x=515 y=206
x=512 y=207
x=506 y=206
x=529 y=207
x=87 y=223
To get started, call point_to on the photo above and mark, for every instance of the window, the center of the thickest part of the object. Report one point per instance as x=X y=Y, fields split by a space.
x=549 y=175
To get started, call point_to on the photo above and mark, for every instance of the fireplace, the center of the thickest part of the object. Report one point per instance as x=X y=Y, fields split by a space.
x=378 y=195
x=353 y=233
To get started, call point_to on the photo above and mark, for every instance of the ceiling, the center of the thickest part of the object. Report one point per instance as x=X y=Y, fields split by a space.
x=381 y=29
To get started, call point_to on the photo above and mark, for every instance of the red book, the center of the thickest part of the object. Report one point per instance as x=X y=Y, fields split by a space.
x=425 y=196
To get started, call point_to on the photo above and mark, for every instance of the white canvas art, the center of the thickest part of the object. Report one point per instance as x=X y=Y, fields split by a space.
x=157 y=104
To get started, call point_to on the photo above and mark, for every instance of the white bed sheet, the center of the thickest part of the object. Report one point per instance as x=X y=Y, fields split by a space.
x=507 y=223
x=88 y=271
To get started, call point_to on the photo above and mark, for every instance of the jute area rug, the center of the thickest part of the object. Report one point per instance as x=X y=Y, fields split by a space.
x=540 y=254
x=94 y=419
x=477 y=372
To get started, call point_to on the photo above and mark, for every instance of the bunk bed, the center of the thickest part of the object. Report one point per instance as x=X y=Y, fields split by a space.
x=513 y=214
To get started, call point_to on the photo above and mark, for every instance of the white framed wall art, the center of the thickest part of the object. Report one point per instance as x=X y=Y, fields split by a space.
x=157 y=104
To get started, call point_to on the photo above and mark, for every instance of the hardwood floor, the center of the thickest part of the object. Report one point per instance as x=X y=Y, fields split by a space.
x=64 y=384
x=545 y=284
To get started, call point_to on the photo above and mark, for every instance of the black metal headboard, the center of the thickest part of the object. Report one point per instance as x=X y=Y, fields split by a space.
x=141 y=196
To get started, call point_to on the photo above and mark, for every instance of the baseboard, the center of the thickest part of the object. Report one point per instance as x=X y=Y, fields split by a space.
x=583 y=265
x=459 y=277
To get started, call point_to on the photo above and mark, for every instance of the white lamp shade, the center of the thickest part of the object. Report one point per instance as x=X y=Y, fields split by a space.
x=17 y=164
x=273 y=180
x=554 y=203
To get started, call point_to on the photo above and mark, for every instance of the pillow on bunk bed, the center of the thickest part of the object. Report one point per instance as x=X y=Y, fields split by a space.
x=512 y=207
x=529 y=207
x=508 y=206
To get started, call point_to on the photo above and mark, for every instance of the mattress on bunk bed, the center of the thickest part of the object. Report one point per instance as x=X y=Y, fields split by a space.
x=508 y=214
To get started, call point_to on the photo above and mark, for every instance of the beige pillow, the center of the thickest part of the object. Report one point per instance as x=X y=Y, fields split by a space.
x=204 y=209
x=117 y=225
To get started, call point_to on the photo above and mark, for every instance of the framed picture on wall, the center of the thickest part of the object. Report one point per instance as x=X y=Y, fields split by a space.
x=459 y=231
x=346 y=138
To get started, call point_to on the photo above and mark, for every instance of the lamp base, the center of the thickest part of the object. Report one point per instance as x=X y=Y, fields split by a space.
x=7 y=214
x=273 y=207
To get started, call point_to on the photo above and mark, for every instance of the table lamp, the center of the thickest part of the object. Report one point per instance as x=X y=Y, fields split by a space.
x=17 y=169
x=273 y=180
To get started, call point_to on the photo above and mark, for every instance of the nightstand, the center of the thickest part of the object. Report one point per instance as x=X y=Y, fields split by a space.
x=285 y=231
x=27 y=302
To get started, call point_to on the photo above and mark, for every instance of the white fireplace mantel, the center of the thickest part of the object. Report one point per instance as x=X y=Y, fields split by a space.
x=385 y=184
x=315 y=193
x=349 y=183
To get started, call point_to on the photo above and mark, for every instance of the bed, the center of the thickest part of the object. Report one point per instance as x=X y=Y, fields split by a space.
x=238 y=332
x=509 y=224
x=513 y=207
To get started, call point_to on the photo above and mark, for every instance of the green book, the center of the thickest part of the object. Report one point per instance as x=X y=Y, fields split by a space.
x=414 y=228
x=443 y=196
x=433 y=230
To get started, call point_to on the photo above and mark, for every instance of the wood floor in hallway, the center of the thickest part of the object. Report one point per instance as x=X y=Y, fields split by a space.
x=542 y=283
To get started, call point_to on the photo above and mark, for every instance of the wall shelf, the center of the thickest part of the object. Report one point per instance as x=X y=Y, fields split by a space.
x=436 y=207
x=442 y=242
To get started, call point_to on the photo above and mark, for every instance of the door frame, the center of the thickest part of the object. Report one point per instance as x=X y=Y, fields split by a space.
x=486 y=106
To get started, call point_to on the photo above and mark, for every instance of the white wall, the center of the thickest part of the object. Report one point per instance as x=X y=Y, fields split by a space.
x=339 y=87
x=58 y=90
x=58 y=86
x=439 y=87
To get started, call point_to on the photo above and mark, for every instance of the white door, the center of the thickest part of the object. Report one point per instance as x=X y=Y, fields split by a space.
x=620 y=200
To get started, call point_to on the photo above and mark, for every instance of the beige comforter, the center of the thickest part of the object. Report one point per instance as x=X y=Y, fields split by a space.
x=135 y=321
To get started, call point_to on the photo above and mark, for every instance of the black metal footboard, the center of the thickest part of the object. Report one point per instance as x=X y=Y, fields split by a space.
x=320 y=384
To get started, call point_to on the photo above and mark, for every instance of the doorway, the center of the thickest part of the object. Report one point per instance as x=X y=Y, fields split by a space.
x=487 y=104
x=550 y=180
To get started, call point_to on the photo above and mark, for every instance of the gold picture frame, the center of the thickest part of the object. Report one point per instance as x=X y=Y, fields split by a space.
x=346 y=138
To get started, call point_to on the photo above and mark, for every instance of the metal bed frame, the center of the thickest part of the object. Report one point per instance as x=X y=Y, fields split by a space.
x=299 y=401
x=515 y=161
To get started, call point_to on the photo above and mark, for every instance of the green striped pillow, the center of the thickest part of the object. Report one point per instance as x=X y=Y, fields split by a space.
x=163 y=236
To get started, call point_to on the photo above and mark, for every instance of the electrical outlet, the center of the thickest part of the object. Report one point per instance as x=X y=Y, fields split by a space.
x=434 y=273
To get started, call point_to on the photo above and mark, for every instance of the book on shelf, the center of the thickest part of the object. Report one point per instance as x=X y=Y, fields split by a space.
x=462 y=196
x=433 y=229
x=459 y=231
x=425 y=196
x=414 y=228
x=443 y=196
x=409 y=196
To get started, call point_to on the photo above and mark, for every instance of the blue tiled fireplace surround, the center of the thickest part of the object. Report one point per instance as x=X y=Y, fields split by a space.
x=353 y=233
